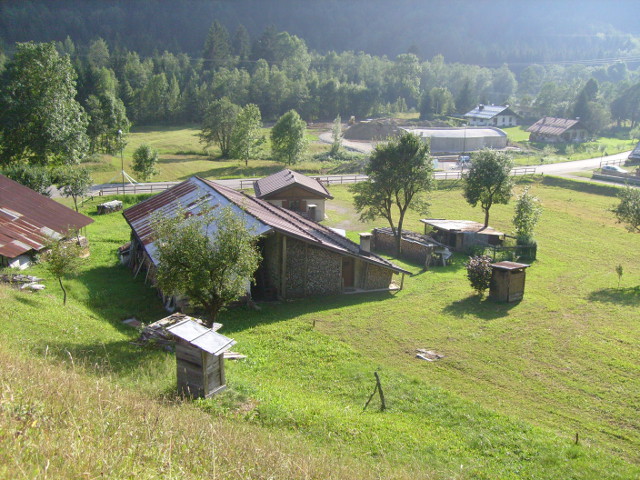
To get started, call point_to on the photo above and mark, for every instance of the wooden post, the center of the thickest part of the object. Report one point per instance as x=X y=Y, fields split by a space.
x=401 y=286
x=377 y=388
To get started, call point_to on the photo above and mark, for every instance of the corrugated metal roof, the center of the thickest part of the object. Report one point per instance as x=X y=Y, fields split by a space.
x=486 y=112
x=467 y=226
x=259 y=215
x=509 y=265
x=28 y=219
x=469 y=132
x=286 y=178
x=201 y=337
x=552 y=126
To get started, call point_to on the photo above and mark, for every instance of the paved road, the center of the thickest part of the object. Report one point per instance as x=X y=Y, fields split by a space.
x=561 y=169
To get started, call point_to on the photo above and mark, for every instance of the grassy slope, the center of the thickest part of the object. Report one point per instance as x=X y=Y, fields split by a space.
x=562 y=360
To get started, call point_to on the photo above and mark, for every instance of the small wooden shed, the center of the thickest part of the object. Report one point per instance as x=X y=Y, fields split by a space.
x=199 y=358
x=507 y=281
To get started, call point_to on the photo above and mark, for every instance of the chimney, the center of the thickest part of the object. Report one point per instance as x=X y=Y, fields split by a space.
x=365 y=243
x=481 y=107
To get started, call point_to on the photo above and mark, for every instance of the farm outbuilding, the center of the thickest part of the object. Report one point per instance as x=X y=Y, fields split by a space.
x=459 y=140
x=492 y=115
x=299 y=256
x=294 y=191
x=199 y=358
x=507 y=281
x=28 y=221
x=461 y=235
x=557 y=130
x=421 y=249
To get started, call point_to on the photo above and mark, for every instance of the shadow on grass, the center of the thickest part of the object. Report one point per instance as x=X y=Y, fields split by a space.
x=623 y=296
x=119 y=357
x=581 y=186
x=480 y=307
x=236 y=171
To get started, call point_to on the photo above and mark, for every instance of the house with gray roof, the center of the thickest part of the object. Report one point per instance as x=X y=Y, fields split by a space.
x=299 y=256
x=557 y=130
x=635 y=154
x=492 y=116
x=294 y=191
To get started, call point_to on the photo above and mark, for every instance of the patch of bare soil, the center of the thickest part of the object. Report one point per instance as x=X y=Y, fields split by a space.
x=376 y=130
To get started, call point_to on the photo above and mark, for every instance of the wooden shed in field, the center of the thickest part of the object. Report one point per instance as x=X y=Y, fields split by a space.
x=199 y=358
x=507 y=281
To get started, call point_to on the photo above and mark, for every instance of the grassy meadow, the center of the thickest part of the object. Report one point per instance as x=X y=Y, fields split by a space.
x=181 y=155
x=516 y=385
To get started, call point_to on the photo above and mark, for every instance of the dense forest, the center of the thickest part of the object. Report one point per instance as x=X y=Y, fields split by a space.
x=154 y=62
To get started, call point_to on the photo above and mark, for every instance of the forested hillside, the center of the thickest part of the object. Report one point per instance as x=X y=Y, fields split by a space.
x=487 y=33
x=154 y=62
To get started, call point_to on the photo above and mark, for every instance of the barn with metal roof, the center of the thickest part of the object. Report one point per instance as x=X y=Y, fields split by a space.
x=28 y=221
x=300 y=256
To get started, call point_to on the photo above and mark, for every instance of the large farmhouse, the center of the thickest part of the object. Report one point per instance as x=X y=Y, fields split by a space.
x=28 y=221
x=557 y=130
x=299 y=256
x=492 y=116
x=294 y=191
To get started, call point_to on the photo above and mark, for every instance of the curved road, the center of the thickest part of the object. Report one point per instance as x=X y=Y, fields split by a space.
x=561 y=169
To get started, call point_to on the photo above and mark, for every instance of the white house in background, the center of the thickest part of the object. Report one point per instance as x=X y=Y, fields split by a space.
x=492 y=116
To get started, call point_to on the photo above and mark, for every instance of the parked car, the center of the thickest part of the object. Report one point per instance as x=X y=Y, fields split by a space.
x=613 y=168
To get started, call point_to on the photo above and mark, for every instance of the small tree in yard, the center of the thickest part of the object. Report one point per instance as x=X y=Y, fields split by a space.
x=62 y=259
x=36 y=177
x=145 y=160
x=628 y=210
x=287 y=138
x=74 y=182
x=246 y=138
x=336 y=136
x=400 y=173
x=526 y=216
x=488 y=181
x=479 y=273
x=210 y=258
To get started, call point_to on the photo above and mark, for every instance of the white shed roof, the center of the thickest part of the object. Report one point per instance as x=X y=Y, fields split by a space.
x=202 y=337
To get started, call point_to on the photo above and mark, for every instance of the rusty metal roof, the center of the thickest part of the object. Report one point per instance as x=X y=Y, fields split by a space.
x=28 y=220
x=552 y=126
x=286 y=178
x=259 y=215
x=460 y=226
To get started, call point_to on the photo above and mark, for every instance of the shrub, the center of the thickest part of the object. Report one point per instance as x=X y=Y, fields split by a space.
x=479 y=273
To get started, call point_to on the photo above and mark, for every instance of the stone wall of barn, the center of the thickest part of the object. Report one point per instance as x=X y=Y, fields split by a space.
x=271 y=260
x=312 y=270
x=377 y=277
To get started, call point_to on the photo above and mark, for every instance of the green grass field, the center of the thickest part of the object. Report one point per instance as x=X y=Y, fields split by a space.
x=516 y=385
x=181 y=155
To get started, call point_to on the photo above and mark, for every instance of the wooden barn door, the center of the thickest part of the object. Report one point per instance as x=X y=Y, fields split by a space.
x=348 y=275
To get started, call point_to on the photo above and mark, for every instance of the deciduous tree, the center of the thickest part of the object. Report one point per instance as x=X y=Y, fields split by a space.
x=40 y=120
x=628 y=210
x=489 y=180
x=74 y=182
x=210 y=258
x=144 y=163
x=62 y=259
x=36 y=177
x=287 y=138
x=526 y=216
x=400 y=174
x=246 y=136
x=218 y=123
